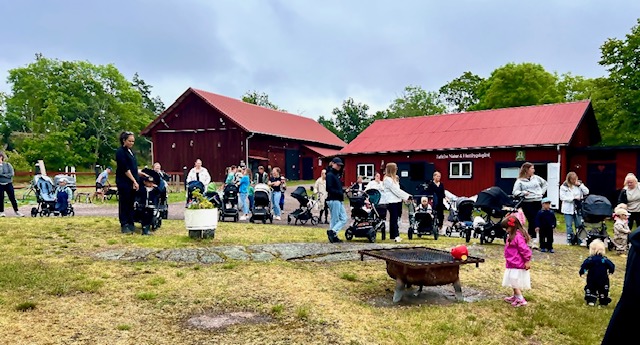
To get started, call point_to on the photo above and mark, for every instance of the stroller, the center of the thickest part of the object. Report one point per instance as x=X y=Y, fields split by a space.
x=192 y=187
x=147 y=205
x=594 y=209
x=366 y=220
x=461 y=217
x=303 y=213
x=496 y=205
x=45 y=191
x=261 y=204
x=423 y=221
x=230 y=203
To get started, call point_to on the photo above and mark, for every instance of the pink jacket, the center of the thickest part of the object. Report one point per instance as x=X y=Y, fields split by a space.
x=517 y=252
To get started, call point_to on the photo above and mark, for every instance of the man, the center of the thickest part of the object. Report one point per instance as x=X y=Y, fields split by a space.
x=335 y=197
x=261 y=176
x=102 y=180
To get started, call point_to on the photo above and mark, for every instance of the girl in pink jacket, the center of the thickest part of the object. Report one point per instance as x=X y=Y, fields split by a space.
x=517 y=255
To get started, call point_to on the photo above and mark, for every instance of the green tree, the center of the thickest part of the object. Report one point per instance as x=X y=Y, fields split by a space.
x=328 y=124
x=414 y=101
x=259 y=98
x=351 y=119
x=461 y=94
x=621 y=58
x=153 y=104
x=514 y=85
x=70 y=112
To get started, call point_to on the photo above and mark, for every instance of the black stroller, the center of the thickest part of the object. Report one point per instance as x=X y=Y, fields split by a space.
x=192 y=187
x=366 y=220
x=460 y=217
x=303 y=213
x=594 y=210
x=230 y=203
x=147 y=210
x=261 y=204
x=423 y=222
x=496 y=205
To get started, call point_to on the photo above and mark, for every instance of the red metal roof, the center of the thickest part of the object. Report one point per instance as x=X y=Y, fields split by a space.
x=550 y=124
x=322 y=151
x=256 y=119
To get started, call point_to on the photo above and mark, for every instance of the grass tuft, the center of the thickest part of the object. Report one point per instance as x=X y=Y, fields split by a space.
x=349 y=276
x=123 y=327
x=146 y=296
x=26 y=306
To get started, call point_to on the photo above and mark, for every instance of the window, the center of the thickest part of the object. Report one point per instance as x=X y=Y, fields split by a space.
x=366 y=171
x=509 y=172
x=460 y=170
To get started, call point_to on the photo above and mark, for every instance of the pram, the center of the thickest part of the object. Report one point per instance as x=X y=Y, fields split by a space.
x=230 y=203
x=45 y=192
x=261 y=204
x=147 y=205
x=496 y=205
x=423 y=222
x=192 y=187
x=303 y=213
x=366 y=220
x=460 y=217
x=594 y=210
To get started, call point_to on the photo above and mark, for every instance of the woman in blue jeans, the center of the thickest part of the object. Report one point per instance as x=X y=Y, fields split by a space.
x=274 y=183
x=572 y=191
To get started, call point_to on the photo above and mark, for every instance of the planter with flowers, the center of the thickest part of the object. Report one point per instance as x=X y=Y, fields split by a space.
x=201 y=217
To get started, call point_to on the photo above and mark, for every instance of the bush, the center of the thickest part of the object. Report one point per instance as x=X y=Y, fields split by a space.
x=18 y=162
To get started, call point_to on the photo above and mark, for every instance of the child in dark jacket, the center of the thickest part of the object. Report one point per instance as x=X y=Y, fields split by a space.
x=597 y=267
x=545 y=224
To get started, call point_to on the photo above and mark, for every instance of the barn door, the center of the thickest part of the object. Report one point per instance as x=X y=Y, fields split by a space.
x=413 y=174
x=307 y=168
x=292 y=164
x=601 y=180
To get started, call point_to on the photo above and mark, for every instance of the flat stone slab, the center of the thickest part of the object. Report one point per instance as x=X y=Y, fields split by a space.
x=220 y=321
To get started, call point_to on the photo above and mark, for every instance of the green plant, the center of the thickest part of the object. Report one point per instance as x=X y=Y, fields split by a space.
x=199 y=201
x=25 y=306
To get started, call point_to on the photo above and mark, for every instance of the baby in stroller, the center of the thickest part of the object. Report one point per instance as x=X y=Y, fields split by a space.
x=49 y=202
x=422 y=220
x=460 y=216
x=366 y=220
x=303 y=213
x=147 y=200
x=261 y=204
x=63 y=198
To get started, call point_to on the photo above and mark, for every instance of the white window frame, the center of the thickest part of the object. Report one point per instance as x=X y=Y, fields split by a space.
x=460 y=165
x=362 y=169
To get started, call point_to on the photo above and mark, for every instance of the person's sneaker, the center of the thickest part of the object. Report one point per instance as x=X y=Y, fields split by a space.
x=19 y=214
x=330 y=235
x=125 y=230
x=519 y=302
x=2 y=214
x=397 y=239
x=543 y=250
x=591 y=304
x=277 y=218
x=336 y=239
x=551 y=251
x=510 y=299
x=243 y=218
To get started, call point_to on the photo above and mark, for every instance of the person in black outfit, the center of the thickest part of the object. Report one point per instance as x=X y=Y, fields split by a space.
x=436 y=188
x=624 y=318
x=545 y=224
x=335 y=197
x=126 y=181
x=359 y=185
x=597 y=267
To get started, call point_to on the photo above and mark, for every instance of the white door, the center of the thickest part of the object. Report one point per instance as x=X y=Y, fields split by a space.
x=553 y=179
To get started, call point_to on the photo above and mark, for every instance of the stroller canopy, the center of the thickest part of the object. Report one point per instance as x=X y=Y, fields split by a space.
x=262 y=188
x=465 y=206
x=493 y=198
x=300 y=194
x=193 y=185
x=45 y=188
x=596 y=205
x=374 y=196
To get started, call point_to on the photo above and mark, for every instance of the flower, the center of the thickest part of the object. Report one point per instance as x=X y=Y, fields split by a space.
x=199 y=201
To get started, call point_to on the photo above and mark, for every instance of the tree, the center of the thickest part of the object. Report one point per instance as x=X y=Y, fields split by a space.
x=621 y=58
x=70 y=112
x=259 y=98
x=153 y=104
x=514 y=85
x=351 y=119
x=328 y=124
x=414 y=101
x=461 y=93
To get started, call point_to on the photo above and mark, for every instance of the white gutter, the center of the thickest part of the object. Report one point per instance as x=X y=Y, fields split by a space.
x=150 y=142
x=246 y=147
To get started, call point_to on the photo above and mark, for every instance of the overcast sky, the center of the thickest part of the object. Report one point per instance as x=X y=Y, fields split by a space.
x=309 y=56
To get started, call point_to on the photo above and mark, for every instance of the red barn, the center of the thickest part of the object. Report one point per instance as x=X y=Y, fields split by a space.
x=223 y=131
x=479 y=149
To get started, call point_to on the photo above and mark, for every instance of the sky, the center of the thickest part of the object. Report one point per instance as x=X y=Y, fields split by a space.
x=310 y=56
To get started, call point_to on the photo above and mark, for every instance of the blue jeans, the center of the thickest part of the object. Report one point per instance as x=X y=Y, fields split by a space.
x=338 y=215
x=250 y=202
x=570 y=220
x=244 y=202
x=275 y=203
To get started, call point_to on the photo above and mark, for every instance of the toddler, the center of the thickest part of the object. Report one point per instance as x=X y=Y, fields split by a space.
x=621 y=230
x=545 y=224
x=597 y=267
x=424 y=205
x=517 y=255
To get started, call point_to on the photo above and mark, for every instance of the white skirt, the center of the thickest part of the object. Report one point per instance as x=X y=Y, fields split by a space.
x=517 y=278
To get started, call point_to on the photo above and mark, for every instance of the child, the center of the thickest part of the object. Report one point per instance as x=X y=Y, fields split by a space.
x=597 y=267
x=620 y=205
x=283 y=188
x=64 y=195
x=145 y=198
x=545 y=224
x=621 y=231
x=517 y=255
x=424 y=205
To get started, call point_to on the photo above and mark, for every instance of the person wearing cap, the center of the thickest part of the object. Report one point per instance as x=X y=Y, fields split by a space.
x=621 y=230
x=335 y=198
x=64 y=196
x=545 y=225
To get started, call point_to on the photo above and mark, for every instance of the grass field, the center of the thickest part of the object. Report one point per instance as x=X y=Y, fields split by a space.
x=53 y=292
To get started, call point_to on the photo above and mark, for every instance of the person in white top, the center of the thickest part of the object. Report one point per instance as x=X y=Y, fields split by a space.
x=199 y=173
x=533 y=188
x=572 y=191
x=393 y=196
x=321 y=188
x=377 y=184
x=630 y=195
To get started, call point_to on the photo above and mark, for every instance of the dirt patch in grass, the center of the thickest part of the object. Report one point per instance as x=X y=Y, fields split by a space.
x=218 y=321
x=431 y=295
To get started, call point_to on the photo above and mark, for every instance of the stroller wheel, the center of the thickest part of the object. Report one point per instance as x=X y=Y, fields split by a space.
x=611 y=245
x=448 y=231
x=251 y=219
x=348 y=234
x=467 y=235
x=383 y=230
x=489 y=239
x=372 y=236
x=34 y=212
x=410 y=233
x=289 y=220
x=419 y=235
x=314 y=220
x=303 y=221
x=264 y=220
x=436 y=233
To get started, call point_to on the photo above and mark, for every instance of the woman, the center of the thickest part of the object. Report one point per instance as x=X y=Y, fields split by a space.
x=126 y=181
x=630 y=195
x=199 y=173
x=393 y=197
x=274 y=183
x=6 y=185
x=436 y=188
x=321 y=188
x=532 y=188
x=377 y=184
x=243 y=193
x=572 y=191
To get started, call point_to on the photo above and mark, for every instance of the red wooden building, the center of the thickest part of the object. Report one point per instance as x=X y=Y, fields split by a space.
x=223 y=131
x=476 y=150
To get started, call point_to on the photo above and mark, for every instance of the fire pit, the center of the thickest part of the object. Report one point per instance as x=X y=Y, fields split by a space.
x=421 y=266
